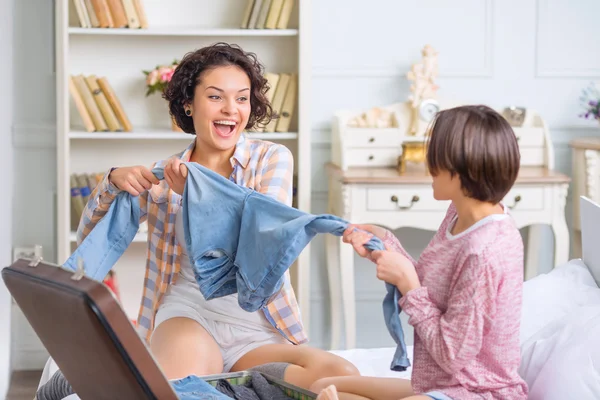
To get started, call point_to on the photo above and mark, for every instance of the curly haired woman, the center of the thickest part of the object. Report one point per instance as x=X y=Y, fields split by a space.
x=215 y=94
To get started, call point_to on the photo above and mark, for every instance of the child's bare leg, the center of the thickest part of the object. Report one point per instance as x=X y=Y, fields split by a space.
x=356 y=387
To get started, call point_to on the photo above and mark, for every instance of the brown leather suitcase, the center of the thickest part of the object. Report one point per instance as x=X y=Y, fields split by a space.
x=86 y=332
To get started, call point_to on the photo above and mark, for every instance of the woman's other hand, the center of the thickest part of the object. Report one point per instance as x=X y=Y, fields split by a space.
x=175 y=175
x=133 y=180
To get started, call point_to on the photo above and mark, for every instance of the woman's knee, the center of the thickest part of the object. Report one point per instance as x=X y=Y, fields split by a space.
x=183 y=347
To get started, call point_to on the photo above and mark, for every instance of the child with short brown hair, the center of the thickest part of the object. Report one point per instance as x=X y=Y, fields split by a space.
x=463 y=296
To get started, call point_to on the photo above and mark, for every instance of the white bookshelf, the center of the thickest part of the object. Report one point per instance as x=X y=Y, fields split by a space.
x=175 y=31
x=175 y=28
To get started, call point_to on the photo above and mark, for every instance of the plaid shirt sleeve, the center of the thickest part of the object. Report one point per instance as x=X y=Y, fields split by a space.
x=98 y=204
x=277 y=175
x=277 y=183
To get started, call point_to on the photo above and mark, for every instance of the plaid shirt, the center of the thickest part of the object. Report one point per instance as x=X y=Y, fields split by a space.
x=263 y=166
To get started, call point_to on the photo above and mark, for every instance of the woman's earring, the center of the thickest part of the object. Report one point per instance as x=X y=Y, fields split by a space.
x=188 y=112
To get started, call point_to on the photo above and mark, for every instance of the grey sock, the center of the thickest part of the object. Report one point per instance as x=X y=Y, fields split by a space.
x=276 y=369
x=56 y=388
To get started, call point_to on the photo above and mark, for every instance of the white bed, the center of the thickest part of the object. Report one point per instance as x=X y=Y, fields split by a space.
x=560 y=328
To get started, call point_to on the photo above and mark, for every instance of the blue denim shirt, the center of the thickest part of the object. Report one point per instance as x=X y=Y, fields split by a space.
x=238 y=241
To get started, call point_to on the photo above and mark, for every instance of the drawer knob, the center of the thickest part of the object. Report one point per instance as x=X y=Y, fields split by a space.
x=517 y=199
x=371 y=140
x=371 y=157
x=414 y=199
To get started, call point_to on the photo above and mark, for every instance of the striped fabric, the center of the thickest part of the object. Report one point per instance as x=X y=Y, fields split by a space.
x=263 y=166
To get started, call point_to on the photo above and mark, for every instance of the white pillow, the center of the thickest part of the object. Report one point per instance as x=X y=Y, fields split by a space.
x=560 y=334
x=552 y=296
x=562 y=360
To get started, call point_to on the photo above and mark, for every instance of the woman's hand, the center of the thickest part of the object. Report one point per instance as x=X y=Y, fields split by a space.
x=175 y=175
x=396 y=269
x=134 y=180
x=359 y=235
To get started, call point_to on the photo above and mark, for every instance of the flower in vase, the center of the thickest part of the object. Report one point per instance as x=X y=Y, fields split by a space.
x=158 y=78
x=590 y=101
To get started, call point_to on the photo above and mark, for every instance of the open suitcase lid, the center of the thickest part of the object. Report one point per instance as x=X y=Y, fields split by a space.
x=86 y=332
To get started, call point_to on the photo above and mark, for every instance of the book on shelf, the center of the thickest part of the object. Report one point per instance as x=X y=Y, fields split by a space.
x=282 y=94
x=108 y=14
x=267 y=14
x=97 y=104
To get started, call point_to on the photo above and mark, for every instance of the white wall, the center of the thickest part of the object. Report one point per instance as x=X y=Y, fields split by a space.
x=494 y=52
x=533 y=53
x=6 y=200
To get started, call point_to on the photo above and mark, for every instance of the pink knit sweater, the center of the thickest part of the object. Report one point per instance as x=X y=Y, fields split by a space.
x=466 y=314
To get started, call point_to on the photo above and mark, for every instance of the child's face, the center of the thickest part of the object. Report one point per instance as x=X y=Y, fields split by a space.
x=445 y=186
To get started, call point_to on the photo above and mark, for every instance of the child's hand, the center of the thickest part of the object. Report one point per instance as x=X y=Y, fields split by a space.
x=175 y=174
x=396 y=269
x=359 y=235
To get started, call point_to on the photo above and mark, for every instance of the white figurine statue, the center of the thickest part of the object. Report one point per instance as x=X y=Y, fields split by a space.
x=423 y=75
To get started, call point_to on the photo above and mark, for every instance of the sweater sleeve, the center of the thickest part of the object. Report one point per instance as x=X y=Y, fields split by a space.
x=393 y=243
x=454 y=337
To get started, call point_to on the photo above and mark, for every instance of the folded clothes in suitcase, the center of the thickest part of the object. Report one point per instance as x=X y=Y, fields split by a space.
x=91 y=339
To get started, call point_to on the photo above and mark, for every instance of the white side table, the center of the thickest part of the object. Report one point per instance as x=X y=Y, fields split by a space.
x=586 y=180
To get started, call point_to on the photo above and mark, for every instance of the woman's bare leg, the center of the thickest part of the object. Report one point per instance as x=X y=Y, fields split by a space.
x=365 y=387
x=183 y=347
x=307 y=364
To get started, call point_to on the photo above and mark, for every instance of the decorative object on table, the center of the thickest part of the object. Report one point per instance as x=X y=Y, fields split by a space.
x=375 y=118
x=590 y=101
x=423 y=98
x=415 y=152
x=424 y=107
x=515 y=115
x=157 y=80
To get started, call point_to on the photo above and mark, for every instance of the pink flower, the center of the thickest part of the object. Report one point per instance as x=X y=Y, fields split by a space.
x=166 y=76
x=152 y=78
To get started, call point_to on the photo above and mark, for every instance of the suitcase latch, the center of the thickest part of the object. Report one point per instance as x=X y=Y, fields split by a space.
x=37 y=256
x=35 y=261
x=80 y=272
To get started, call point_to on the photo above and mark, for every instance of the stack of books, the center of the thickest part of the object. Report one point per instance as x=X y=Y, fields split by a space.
x=108 y=14
x=282 y=96
x=267 y=14
x=98 y=105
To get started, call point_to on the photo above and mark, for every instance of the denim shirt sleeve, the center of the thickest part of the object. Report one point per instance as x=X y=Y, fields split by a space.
x=99 y=203
x=277 y=175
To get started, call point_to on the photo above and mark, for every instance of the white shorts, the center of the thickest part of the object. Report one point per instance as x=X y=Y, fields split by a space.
x=235 y=331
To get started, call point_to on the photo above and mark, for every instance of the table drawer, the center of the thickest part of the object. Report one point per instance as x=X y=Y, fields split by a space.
x=365 y=137
x=521 y=198
x=379 y=157
x=403 y=199
x=530 y=136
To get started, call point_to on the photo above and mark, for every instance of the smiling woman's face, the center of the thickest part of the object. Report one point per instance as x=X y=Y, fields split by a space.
x=221 y=106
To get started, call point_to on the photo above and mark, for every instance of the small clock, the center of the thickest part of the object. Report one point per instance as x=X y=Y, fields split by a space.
x=428 y=109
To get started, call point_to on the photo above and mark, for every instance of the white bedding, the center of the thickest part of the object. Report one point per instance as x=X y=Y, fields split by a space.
x=560 y=344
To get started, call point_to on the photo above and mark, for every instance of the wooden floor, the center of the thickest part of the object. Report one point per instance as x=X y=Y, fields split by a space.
x=23 y=385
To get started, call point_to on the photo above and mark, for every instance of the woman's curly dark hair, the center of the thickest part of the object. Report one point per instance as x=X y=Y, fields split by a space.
x=180 y=90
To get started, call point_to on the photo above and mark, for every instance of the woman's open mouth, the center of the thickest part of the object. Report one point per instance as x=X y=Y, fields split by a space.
x=224 y=128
